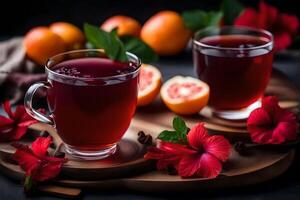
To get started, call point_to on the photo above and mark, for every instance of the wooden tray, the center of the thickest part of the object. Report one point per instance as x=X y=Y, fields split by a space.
x=129 y=170
x=137 y=174
x=258 y=166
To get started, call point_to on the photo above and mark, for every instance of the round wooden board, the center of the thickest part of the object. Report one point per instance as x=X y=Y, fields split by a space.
x=129 y=170
x=258 y=166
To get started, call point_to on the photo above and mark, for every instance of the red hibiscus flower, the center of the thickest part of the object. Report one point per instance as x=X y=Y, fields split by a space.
x=282 y=25
x=36 y=162
x=15 y=125
x=202 y=157
x=168 y=154
x=271 y=124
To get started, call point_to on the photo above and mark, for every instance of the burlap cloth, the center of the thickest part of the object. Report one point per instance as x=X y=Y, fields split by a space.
x=17 y=72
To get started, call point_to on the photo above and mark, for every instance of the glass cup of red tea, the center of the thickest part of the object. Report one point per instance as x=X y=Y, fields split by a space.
x=91 y=98
x=236 y=63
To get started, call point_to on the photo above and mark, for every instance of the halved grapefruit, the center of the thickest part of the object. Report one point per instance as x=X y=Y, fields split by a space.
x=185 y=95
x=149 y=84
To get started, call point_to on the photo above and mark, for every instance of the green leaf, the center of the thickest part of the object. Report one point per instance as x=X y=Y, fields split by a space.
x=194 y=19
x=121 y=55
x=179 y=125
x=231 y=10
x=110 y=42
x=169 y=136
x=28 y=185
x=179 y=135
x=114 y=31
x=199 y=19
x=139 y=48
x=213 y=18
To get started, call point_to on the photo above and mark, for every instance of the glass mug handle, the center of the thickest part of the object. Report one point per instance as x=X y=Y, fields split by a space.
x=28 y=103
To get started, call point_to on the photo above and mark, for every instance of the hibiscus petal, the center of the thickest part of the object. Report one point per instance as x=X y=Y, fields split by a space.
x=7 y=108
x=5 y=122
x=282 y=40
x=197 y=136
x=261 y=135
x=6 y=126
x=48 y=170
x=27 y=123
x=249 y=17
x=218 y=146
x=18 y=132
x=165 y=159
x=155 y=153
x=27 y=118
x=259 y=117
x=20 y=112
x=39 y=168
x=41 y=145
x=205 y=165
x=287 y=116
x=287 y=23
x=23 y=117
x=26 y=158
x=271 y=124
x=268 y=15
x=270 y=104
x=259 y=124
x=284 y=131
x=189 y=165
x=173 y=148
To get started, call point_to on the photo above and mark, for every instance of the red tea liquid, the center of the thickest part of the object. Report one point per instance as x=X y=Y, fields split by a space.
x=92 y=115
x=236 y=78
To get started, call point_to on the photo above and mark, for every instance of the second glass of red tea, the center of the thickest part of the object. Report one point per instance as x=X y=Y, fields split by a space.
x=236 y=63
x=91 y=98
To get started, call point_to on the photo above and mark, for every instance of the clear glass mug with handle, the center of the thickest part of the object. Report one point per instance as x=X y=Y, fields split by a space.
x=91 y=100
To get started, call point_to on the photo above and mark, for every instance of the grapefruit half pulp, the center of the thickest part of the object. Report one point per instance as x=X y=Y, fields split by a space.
x=185 y=95
x=149 y=84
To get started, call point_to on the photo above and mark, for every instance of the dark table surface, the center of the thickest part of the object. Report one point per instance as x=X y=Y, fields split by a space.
x=287 y=186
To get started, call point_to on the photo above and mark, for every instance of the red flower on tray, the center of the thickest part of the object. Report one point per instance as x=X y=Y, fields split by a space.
x=202 y=156
x=271 y=124
x=36 y=162
x=282 y=25
x=15 y=125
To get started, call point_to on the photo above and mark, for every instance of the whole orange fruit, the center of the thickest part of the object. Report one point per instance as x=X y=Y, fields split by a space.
x=71 y=35
x=41 y=44
x=166 y=33
x=126 y=25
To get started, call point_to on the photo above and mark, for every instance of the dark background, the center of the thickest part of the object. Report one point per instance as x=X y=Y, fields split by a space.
x=17 y=17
